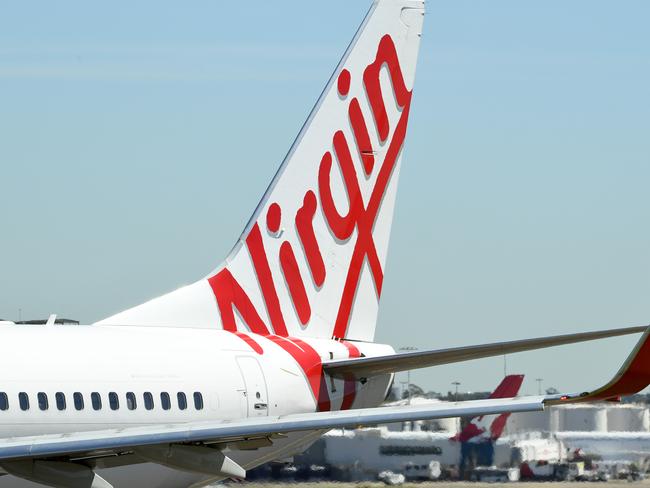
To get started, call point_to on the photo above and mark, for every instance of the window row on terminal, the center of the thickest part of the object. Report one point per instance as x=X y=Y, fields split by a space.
x=130 y=399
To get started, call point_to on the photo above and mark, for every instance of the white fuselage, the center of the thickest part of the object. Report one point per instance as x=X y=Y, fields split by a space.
x=217 y=374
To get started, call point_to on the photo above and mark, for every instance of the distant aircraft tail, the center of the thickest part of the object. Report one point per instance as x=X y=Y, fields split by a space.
x=490 y=427
x=311 y=260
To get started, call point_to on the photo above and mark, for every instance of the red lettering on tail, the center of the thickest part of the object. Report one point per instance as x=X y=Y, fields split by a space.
x=229 y=294
x=359 y=216
x=365 y=219
x=263 y=271
x=361 y=135
x=305 y=228
x=273 y=218
x=343 y=83
x=294 y=282
x=386 y=55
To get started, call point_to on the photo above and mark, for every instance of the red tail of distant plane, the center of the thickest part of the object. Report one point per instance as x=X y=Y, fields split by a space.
x=490 y=427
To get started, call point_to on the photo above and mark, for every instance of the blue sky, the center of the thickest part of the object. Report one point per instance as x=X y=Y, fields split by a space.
x=137 y=138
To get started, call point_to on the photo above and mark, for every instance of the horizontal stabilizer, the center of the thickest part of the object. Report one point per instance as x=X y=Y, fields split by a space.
x=372 y=366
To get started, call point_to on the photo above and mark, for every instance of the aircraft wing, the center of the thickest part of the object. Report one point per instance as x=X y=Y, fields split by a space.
x=94 y=442
x=633 y=376
x=365 y=367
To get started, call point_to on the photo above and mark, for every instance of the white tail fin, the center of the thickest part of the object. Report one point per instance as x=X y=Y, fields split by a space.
x=311 y=260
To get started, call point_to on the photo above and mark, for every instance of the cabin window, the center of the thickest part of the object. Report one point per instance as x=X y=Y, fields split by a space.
x=113 y=400
x=42 y=401
x=148 y=400
x=182 y=400
x=198 y=400
x=78 y=400
x=96 y=400
x=23 y=400
x=130 y=400
x=165 y=401
x=4 y=401
x=60 y=400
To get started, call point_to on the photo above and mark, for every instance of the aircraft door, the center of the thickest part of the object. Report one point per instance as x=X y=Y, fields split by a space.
x=256 y=393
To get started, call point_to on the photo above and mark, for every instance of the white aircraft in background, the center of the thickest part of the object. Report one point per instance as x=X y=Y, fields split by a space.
x=274 y=347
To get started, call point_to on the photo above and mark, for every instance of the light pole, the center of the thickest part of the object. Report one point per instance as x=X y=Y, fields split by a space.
x=539 y=385
x=408 y=373
x=456 y=384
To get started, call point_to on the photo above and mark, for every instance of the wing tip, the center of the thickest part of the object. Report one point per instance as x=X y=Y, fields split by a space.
x=632 y=377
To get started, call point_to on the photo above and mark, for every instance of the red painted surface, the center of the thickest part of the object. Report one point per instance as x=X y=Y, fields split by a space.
x=341 y=226
x=294 y=282
x=386 y=56
x=343 y=82
x=263 y=271
x=362 y=136
x=497 y=426
x=307 y=359
x=353 y=350
x=273 y=218
x=250 y=341
x=508 y=388
x=525 y=471
x=311 y=364
x=632 y=380
x=469 y=432
x=635 y=378
x=350 y=384
x=307 y=236
x=230 y=295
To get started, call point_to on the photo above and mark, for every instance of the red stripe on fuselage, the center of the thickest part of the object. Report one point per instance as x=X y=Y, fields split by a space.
x=350 y=384
x=250 y=341
x=311 y=364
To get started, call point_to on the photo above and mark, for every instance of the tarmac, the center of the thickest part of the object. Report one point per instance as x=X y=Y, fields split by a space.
x=444 y=484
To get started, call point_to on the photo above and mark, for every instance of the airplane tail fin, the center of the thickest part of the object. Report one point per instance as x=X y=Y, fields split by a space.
x=509 y=386
x=490 y=427
x=311 y=260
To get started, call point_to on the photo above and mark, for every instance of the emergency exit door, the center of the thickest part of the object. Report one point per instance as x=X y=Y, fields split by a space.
x=256 y=394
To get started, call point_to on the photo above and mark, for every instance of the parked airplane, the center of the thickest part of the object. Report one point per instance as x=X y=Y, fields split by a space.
x=274 y=347
x=411 y=449
x=490 y=427
x=479 y=435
